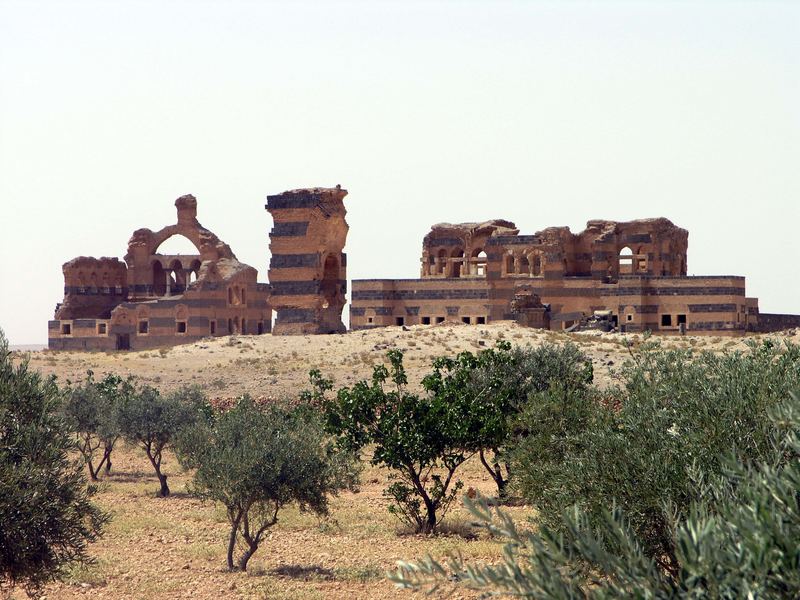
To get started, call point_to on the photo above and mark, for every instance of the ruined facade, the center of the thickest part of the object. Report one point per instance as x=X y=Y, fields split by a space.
x=308 y=270
x=634 y=272
x=152 y=300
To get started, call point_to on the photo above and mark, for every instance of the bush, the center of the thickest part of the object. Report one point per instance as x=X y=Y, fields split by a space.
x=45 y=509
x=255 y=461
x=492 y=387
x=741 y=539
x=657 y=441
x=420 y=438
x=153 y=421
x=91 y=409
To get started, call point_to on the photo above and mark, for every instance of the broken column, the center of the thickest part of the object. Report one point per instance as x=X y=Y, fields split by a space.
x=307 y=271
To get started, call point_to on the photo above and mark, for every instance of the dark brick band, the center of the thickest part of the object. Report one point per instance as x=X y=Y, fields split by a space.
x=294 y=261
x=289 y=229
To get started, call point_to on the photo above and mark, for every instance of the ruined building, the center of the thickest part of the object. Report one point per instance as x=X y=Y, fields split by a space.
x=634 y=273
x=153 y=300
x=631 y=275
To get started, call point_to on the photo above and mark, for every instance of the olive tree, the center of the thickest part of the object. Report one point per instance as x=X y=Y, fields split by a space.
x=153 y=421
x=257 y=460
x=46 y=516
x=652 y=445
x=739 y=539
x=91 y=407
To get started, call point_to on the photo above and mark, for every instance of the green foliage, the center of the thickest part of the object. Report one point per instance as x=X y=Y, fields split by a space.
x=256 y=460
x=653 y=444
x=740 y=539
x=420 y=438
x=491 y=388
x=91 y=409
x=46 y=516
x=153 y=421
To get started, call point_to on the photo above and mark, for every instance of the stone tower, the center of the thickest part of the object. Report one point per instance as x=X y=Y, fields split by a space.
x=307 y=271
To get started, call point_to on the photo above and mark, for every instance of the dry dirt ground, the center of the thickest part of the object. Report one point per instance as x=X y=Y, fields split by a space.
x=175 y=547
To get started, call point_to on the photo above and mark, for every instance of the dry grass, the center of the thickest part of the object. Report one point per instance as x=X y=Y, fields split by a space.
x=175 y=547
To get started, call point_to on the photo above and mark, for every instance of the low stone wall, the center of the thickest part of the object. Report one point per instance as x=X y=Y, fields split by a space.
x=769 y=322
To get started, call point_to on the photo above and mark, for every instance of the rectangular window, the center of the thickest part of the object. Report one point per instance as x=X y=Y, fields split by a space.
x=180 y=326
x=144 y=326
x=101 y=329
x=440 y=319
x=666 y=320
x=400 y=320
x=681 y=319
x=481 y=321
x=465 y=320
x=213 y=327
x=426 y=320
x=629 y=317
x=66 y=329
x=369 y=319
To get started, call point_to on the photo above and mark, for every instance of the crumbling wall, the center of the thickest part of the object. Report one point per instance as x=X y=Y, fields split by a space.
x=308 y=270
x=92 y=287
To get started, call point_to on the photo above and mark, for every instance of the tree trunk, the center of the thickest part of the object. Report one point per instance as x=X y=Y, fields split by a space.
x=496 y=471
x=245 y=558
x=92 y=472
x=232 y=539
x=162 y=479
x=107 y=456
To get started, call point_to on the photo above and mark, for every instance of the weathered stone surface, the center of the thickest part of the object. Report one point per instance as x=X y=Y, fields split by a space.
x=153 y=299
x=635 y=271
x=308 y=271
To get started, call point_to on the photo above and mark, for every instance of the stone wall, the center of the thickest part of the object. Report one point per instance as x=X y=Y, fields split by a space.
x=771 y=322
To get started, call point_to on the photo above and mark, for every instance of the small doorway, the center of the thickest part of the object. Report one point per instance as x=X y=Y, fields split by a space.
x=123 y=341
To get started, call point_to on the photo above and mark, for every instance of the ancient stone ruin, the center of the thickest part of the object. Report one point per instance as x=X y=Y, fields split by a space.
x=154 y=300
x=308 y=270
x=632 y=274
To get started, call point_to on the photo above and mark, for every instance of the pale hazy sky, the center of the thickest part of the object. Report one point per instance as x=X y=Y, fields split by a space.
x=544 y=113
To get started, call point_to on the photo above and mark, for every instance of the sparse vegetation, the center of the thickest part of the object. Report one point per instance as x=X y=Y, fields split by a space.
x=255 y=461
x=153 y=421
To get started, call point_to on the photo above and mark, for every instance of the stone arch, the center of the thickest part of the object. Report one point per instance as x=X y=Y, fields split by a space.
x=625 y=260
x=181 y=240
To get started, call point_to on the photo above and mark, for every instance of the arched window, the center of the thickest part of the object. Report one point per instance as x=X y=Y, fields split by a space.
x=625 y=261
x=458 y=263
x=508 y=263
x=479 y=262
